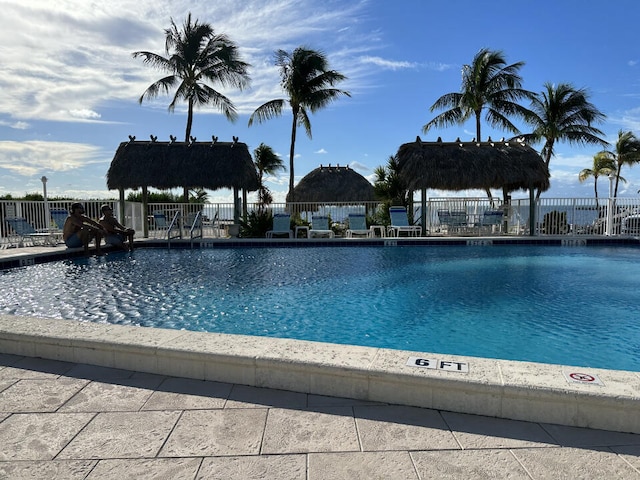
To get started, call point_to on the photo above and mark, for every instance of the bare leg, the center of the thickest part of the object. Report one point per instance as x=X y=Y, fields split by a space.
x=85 y=236
x=98 y=239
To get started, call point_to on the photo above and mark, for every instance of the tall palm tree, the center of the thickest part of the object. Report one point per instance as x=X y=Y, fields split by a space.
x=563 y=113
x=489 y=84
x=195 y=57
x=308 y=85
x=627 y=152
x=603 y=164
x=266 y=162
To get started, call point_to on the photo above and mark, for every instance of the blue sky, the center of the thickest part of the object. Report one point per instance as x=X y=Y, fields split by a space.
x=69 y=85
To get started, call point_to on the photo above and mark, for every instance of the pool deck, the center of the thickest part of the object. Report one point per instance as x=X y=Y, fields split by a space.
x=83 y=400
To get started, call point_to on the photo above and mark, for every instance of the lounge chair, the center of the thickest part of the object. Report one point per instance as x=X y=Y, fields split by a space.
x=358 y=225
x=400 y=223
x=492 y=221
x=631 y=225
x=454 y=221
x=165 y=227
x=28 y=233
x=59 y=216
x=281 y=225
x=320 y=227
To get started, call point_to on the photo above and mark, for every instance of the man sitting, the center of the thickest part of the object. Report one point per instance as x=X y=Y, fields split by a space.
x=79 y=230
x=116 y=233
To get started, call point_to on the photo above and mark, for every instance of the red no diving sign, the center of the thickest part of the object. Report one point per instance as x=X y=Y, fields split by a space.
x=582 y=377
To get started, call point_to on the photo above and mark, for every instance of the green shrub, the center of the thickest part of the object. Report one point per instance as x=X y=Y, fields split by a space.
x=258 y=223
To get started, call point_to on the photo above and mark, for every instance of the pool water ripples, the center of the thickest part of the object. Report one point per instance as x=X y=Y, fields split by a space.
x=567 y=305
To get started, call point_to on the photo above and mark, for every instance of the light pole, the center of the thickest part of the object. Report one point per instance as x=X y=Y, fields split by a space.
x=47 y=215
x=609 y=230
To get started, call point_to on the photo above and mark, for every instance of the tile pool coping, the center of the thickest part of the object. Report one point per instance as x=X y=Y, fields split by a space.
x=498 y=388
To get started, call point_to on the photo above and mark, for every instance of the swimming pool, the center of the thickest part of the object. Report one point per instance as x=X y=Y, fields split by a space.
x=566 y=305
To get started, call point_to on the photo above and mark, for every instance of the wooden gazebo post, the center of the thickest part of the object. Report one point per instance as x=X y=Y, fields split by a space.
x=532 y=212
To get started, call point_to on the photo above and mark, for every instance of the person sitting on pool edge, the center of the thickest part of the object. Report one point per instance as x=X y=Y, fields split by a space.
x=79 y=230
x=116 y=233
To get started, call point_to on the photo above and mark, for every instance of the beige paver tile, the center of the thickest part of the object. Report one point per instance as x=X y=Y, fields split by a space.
x=38 y=436
x=44 y=365
x=122 y=435
x=573 y=463
x=7 y=359
x=361 y=466
x=329 y=429
x=126 y=395
x=4 y=384
x=471 y=464
x=630 y=453
x=393 y=427
x=216 y=432
x=325 y=401
x=15 y=373
x=148 y=468
x=243 y=396
x=39 y=395
x=281 y=467
x=188 y=394
x=477 y=431
x=586 y=437
x=57 y=469
x=94 y=372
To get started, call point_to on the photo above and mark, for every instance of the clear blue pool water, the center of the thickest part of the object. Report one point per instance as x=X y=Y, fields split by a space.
x=565 y=305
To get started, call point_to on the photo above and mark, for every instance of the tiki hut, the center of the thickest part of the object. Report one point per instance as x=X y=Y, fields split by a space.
x=510 y=165
x=333 y=184
x=211 y=165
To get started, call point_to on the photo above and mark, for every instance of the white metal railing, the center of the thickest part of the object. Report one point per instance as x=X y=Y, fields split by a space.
x=553 y=216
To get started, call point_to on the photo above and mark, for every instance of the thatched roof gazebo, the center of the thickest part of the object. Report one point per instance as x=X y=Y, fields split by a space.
x=509 y=165
x=333 y=184
x=211 y=165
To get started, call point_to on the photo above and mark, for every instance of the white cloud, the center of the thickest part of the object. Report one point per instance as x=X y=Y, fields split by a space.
x=86 y=59
x=15 y=125
x=85 y=114
x=359 y=167
x=388 y=64
x=321 y=151
x=37 y=157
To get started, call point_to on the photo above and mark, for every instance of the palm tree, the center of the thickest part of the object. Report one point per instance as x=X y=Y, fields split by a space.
x=266 y=161
x=563 y=113
x=603 y=164
x=308 y=84
x=488 y=83
x=627 y=152
x=388 y=187
x=195 y=57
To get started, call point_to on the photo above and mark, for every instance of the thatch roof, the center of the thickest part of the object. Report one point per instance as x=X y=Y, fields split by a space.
x=460 y=165
x=333 y=184
x=210 y=165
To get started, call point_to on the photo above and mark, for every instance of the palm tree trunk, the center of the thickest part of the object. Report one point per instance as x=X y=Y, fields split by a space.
x=187 y=134
x=615 y=190
x=595 y=189
x=479 y=139
x=292 y=153
x=547 y=161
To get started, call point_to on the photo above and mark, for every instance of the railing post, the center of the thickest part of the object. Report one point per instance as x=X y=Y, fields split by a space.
x=609 y=226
